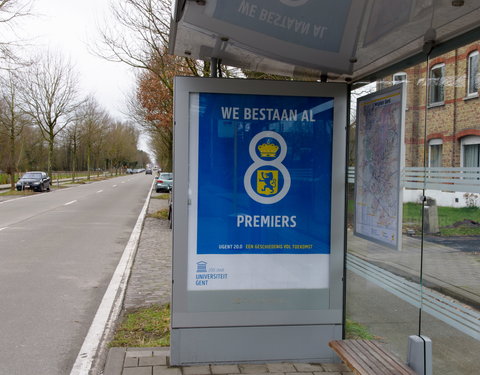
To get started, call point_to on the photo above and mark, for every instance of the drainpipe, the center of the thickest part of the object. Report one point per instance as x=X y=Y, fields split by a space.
x=213 y=67
x=454 y=140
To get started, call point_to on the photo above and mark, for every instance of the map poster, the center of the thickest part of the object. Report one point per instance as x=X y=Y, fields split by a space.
x=261 y=170
x=379 y=159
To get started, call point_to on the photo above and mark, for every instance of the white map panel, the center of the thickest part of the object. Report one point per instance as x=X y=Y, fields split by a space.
x=378 y=203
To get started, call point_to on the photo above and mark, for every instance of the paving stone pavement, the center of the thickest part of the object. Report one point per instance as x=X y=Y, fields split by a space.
x=150 y=283
x=154 y=361
x=150 y=280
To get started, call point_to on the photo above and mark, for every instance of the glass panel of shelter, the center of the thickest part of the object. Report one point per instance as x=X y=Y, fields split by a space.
x=431 y=286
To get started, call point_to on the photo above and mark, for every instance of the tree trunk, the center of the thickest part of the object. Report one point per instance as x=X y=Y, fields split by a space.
x=74 y=156
x=89 y=150
x=11 y=163
x=50 y=151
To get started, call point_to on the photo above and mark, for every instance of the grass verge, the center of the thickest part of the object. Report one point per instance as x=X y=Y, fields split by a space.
x=16 y=192
x=146 y=327
x=160 y=214
x=449 y=219
x=161 y=196
x=356 y=331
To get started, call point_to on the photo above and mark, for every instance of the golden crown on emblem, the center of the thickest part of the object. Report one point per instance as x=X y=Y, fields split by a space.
x=268 y=150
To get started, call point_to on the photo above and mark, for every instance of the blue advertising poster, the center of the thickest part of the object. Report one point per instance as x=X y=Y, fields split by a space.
x=264 y=174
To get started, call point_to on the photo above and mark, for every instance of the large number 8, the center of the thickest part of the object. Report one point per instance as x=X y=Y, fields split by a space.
x=258 y=162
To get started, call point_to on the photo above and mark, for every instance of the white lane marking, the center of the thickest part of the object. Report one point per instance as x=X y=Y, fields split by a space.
x=111 y=304
x=99 y=191
x=123 y=182
x=3 y=228
x=71 y=202
x=16 y=199
x=115 y=185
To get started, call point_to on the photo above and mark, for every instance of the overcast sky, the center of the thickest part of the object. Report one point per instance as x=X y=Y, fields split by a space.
x=68 y=26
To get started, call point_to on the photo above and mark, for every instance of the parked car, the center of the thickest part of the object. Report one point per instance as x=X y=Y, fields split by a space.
x=38 y=181
x=164 y=182
x=148 y=171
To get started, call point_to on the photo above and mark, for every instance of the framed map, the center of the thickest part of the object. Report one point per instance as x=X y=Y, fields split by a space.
x=379 y=162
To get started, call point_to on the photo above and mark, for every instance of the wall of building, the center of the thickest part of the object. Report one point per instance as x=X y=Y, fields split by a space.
x=458 y=116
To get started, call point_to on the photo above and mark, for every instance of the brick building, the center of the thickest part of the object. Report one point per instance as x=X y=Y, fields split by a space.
x=446 y=92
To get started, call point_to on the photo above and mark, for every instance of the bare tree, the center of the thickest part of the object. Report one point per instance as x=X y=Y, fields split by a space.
x=122 y=145
x=12 y=120
x=10 y=11
x=139 y=37
x=139 y=32
x=50 y=97
x=92 y=119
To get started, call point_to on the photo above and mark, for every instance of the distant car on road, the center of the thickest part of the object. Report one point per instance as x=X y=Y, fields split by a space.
x=38 y=181
x=148 y=171
x=164 y=182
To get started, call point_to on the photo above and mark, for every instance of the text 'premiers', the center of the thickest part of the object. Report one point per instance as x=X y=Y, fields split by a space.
x=269 y=221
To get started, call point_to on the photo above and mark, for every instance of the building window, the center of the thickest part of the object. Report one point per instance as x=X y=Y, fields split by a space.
x=399 y=78
x=436 y=83
x=435 y=153
x=472 y=82
x=471 y=151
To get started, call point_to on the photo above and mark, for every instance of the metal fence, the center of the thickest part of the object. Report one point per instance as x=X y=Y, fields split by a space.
x=443 y=179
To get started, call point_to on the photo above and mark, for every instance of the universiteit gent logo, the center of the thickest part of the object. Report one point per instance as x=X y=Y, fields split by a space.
x=267 y=180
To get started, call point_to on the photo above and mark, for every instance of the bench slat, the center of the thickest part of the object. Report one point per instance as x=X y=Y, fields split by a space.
x=367 y=357
x=384 y=360
x=359 y=363
x=399 y=366
x=379 y=364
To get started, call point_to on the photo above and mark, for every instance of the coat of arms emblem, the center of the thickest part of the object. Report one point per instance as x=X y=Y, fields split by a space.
x=267 y=182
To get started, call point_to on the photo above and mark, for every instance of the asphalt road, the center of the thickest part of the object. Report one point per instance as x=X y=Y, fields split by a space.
x=58 y=251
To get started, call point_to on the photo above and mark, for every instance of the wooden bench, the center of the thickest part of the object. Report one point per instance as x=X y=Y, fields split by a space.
x=367 y=357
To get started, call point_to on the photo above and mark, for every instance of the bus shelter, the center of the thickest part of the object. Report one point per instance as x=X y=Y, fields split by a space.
x=286 y=191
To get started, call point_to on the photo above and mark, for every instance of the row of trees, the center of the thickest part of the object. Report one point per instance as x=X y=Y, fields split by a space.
x=139 y=38
x=44 y=121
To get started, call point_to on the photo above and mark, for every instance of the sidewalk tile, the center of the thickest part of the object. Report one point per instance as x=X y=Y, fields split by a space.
x=138 y=353
x=196 y=370
x=253 y=369
x=224 y=369
x=308 y=367
x=114 y=363
x=130 y=362
x=165 y=370
x=281 y=367
x=137 y=371
x=302 y=373
x=332 y=367
x=153 y=361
